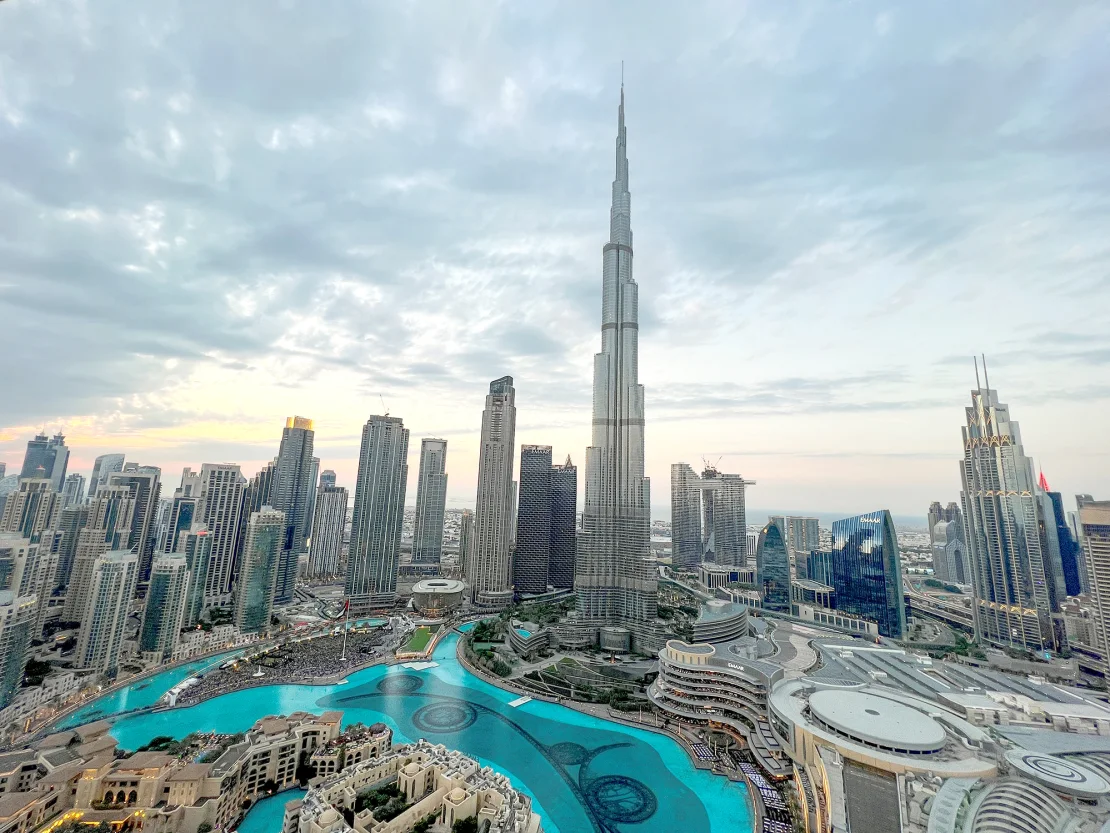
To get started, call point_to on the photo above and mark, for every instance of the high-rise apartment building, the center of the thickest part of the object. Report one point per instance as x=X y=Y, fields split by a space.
x=1094 y=526
x=327 y=534
x=1012 y=576
x=294 y=483
x=47 y=457
x=258 y=574
x=107 y=528
x=564 y=522
x=103 y=466
x=145 y=483
x=708 y=517
x=185 y=509
x=327 y=478
x=103 y=626
x=32 y=508
x=164 y=611
x=772 y=569
x=17 y=618
x=866 y=571
x=615 y=576
x=383 y=473
x=69 y=524
x=950 y=552
x=532 y=554
x=313 y=490
x=73 y=490
x=545 y=529
x=222 y=493
x=490 y=576
x=948 y=542
x=196 y=546
x=466 y=540
x=802 y=534
x=431 y=501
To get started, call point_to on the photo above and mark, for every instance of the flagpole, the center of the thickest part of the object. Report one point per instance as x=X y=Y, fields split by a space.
x=346 y=624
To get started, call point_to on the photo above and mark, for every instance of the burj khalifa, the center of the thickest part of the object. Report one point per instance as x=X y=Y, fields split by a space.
x=615 y=578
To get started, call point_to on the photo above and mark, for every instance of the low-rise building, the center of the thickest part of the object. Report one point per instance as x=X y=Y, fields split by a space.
x=354 y=746
x=433 y=780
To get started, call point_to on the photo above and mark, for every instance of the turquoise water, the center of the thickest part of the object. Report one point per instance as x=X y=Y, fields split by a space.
x=583 y=773
x=523 y=632
x=141 y=694
x=267 y=815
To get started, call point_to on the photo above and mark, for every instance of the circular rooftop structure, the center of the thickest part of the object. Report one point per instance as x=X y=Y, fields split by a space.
x=1059 y=774
x=877 y=721
x=436 y=597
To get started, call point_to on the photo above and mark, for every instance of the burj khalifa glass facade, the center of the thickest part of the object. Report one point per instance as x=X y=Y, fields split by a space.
x=615 y=578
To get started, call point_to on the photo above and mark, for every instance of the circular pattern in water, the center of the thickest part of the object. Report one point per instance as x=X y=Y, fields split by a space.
x=621 y=799
x=400 y=684
x=445 y=717
x=568 y=753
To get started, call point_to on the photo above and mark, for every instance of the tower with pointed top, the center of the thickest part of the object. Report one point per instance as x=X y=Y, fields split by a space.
x=1012 y=575
x=615 y=578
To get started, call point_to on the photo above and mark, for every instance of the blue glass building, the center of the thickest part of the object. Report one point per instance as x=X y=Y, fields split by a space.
x=1069 y=548
x=866 y=571
x=772 y=564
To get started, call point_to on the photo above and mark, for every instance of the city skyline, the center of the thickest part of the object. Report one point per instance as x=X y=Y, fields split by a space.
x=793 y=229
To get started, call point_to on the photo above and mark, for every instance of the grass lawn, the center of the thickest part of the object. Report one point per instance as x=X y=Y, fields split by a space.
x=420 y=639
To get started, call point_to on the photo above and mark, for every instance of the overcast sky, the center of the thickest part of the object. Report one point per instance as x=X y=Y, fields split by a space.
x=215 y=215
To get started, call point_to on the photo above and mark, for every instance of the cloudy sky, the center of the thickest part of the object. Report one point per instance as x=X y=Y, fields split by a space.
x=214 y=215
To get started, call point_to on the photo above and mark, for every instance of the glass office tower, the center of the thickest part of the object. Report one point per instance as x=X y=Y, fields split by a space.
x=772 y=565
x=866 y=571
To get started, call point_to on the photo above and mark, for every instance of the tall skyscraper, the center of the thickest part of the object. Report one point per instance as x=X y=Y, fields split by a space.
x=772 y=569
x=222 y=493
x=254 y=593
x=184 y=510
x=950 y=552
x=564 y=521
x=196 y=546
x=164 y=610
x=17 y=618
x=327 y=478
x=313 y=490
x=1094 y=525
x=1070 y=559
x=615 y=576
x=73 y=490
x=490 y=575
x=687 y=543
x=431 y=500
x=383 y=473
x=466 y=540
x=709 y=519
x=47 y=457
x=532 y=554
x=107 y=528
x=32 y=509
x=1011 y=573
x=866 y=571
x=103 y=627
x=545 y=529
x=145 y=484
x=294 y=484
x=3 y=470
x=70 y=523
x=104 y=465
x=327 y=535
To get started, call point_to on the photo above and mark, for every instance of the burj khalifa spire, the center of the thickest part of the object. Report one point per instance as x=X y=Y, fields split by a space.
x=615 y=579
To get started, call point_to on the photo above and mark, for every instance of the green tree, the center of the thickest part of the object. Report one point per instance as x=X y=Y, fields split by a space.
x=467 y=825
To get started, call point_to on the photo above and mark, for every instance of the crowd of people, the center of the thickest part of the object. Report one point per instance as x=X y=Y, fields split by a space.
x=307 y=661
